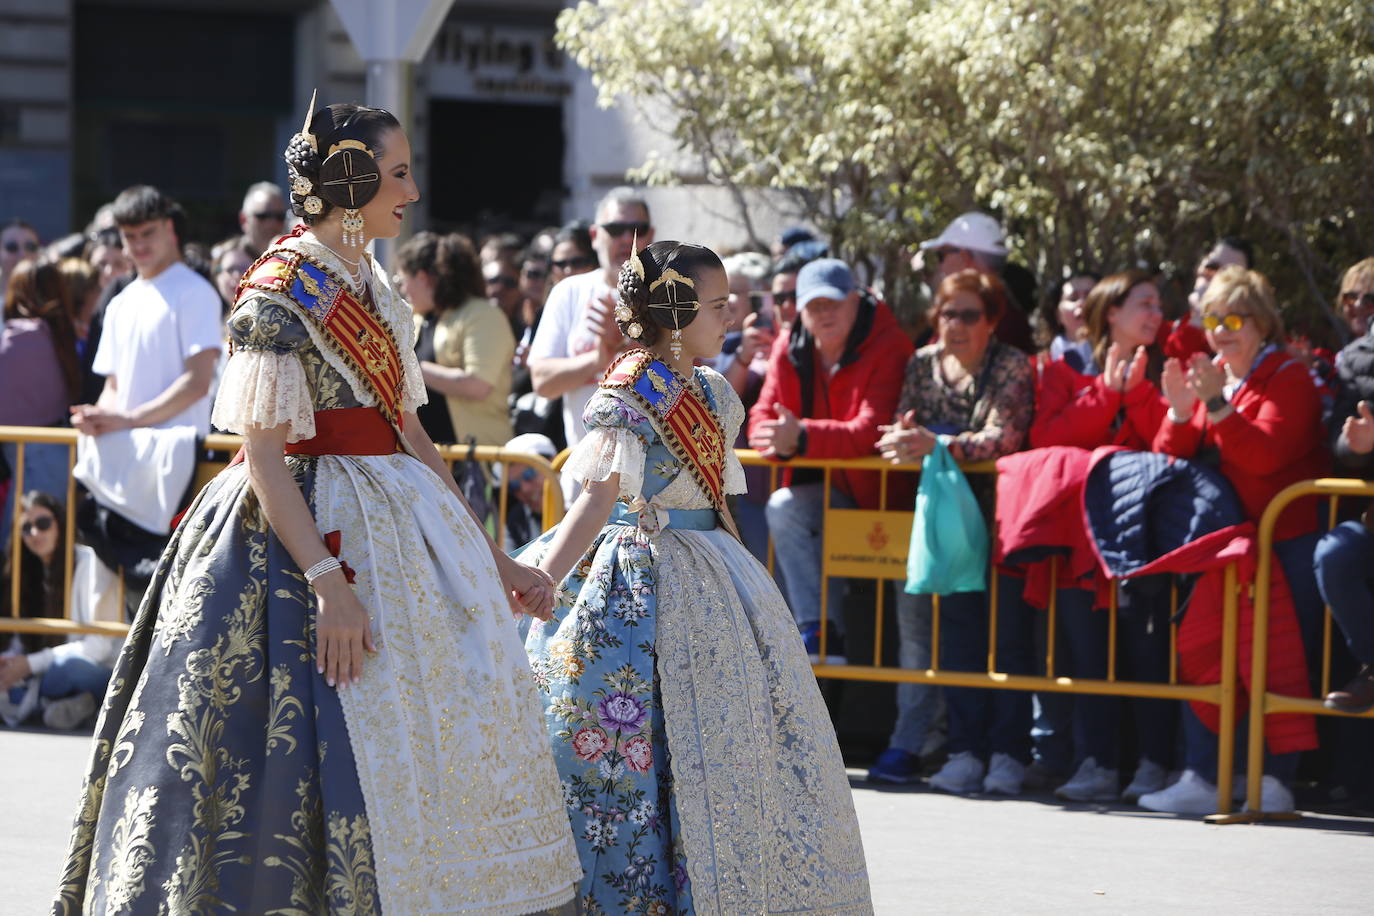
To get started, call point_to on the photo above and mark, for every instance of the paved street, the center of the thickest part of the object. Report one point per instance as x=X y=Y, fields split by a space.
x=927 y=853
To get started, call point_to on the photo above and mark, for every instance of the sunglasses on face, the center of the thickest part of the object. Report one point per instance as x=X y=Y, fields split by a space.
x=12 y=247
x=1352 y=298
x=786 y=296
x=504 y=280
x=1231 y=322
x=963 y=316
x=274 y=215
x=616 y=230
x=942 y=253
x=535 y=273
x=42 y=523
x=575 y=263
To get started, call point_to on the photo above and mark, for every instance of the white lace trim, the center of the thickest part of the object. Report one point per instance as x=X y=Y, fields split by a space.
x=265 y=389
x=731 y=418
x=603 y=452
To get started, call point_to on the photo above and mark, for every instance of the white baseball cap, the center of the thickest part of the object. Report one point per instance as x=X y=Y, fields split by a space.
x=974 y=231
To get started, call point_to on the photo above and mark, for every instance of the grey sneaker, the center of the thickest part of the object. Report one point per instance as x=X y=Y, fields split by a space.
x=1090 y=784
x=69 y=712
x=1149 y=777
x=962 y=774
x=1005 y=774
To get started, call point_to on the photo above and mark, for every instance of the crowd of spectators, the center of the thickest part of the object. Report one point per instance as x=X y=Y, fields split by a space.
x=121 y=329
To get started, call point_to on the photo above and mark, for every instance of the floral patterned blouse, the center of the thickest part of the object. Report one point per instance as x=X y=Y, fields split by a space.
x=988 y=413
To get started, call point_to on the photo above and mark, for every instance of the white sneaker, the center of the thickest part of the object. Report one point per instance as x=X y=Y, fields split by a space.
x=69 y=712
x=1190 y=795
x=1005 y=775
x=1275 y=797
x=1149 y=777
x=1091 y=783
x=962 y=774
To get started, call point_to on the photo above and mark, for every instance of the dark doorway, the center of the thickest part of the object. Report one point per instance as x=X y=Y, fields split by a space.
x=494 y=167
x=187 y=100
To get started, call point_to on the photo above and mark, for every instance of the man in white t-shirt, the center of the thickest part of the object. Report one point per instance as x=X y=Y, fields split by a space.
x=162 y=333
x=578 y=336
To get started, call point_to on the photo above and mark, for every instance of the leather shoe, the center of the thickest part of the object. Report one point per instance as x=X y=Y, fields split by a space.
x=1356 y=696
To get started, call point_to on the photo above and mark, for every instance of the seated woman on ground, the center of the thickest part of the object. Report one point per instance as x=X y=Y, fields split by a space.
x=65 y=679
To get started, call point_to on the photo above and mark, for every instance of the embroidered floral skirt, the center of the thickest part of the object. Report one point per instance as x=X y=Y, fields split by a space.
x=697 y=759
x=226 y=776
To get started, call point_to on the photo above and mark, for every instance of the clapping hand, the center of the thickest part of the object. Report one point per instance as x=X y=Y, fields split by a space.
x=1358 y=431
x=601 y=317
x=1177 y=391
x=1205 y=377
x=1122 y=372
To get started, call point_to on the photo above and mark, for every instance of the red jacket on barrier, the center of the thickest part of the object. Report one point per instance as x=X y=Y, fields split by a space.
x=847 y=406
x=1273 y=438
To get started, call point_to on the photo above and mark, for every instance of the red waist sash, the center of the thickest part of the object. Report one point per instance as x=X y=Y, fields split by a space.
x=345 y=431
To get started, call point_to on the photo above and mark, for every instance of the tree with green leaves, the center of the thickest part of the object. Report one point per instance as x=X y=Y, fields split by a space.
x=1102 y=132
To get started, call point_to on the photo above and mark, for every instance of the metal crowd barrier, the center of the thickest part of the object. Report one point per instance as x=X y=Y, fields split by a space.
x=887 y=535
x=206 y=468
x=1262 y=700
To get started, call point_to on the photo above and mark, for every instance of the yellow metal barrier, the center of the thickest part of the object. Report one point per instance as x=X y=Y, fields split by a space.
x=206 y=469
x=1262 y=701
x=887 y=534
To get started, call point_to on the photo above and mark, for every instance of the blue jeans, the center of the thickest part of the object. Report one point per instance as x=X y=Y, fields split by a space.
x=917 y=704
x=796 y=519
x=71 y=676
x=1096 y=719
x=45 y=469
x=984 y=721
x=1344 y=565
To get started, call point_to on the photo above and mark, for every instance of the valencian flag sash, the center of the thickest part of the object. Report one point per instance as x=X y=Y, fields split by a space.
x=352 y=328
x=694 y=435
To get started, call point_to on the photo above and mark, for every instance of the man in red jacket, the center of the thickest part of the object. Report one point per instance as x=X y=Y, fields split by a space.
x=830 y=383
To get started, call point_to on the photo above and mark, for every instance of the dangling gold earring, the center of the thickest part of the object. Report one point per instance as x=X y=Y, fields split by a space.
x=676 y=344
x=352 y=228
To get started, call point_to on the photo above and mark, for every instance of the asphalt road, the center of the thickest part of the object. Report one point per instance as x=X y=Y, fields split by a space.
x=927 y=853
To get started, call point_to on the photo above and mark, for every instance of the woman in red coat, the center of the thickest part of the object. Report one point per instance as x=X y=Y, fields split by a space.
x=1256 y=410
x=1112 y=400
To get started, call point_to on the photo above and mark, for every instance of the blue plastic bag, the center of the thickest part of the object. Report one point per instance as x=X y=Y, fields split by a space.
x=949 y=539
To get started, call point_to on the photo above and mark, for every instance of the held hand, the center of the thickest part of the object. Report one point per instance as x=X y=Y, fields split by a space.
x=753 y=340
x=1358 y=430
x=529 y=589
x=778 y=437
x=903 y=445
x=1174 y=381
x=13 y=669
x=1205 y=377
x=94 y=421
x=343 y=631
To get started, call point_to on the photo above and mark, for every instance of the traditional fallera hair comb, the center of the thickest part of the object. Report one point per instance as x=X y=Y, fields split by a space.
x=349 y=178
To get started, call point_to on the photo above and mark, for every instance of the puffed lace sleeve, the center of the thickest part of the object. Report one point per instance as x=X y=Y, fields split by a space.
x=730 y=409
x=614 y=444
x=264 y=384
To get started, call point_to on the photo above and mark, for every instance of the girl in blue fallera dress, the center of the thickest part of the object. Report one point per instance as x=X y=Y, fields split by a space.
x=697 y=759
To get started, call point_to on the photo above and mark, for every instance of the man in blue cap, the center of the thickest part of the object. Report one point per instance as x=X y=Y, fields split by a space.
x=825 y=394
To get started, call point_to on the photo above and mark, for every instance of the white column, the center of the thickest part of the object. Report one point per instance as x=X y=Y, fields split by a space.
x=392 y=36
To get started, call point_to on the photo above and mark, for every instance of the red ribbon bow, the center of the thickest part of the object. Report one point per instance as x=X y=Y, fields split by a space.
x=333 y=542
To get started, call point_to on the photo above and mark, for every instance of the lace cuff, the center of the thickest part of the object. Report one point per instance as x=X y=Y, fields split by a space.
x=604 y=452
x=265 y=389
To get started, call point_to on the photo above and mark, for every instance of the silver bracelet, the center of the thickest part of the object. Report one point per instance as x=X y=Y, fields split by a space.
x=327 y=565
